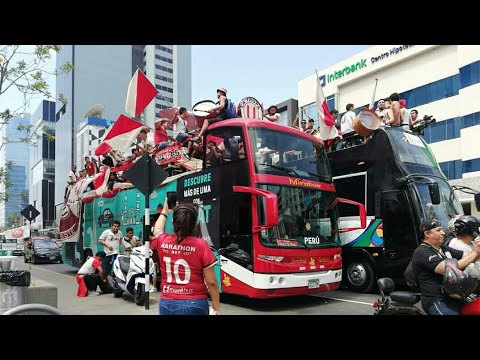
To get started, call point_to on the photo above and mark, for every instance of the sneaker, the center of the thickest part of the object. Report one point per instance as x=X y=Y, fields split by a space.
x=152 y=289
x=93 y=293
x=197 y=139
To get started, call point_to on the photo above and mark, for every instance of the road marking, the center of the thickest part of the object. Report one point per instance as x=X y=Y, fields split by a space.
x=345 y=300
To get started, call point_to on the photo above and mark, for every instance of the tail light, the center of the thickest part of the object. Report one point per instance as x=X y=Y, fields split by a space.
x=376 y=304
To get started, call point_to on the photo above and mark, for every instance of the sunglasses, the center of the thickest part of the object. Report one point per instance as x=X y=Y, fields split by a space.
x=304 y=122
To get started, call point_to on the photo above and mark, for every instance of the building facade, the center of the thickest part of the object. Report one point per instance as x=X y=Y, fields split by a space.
x=438 y=80
x=101 y=76
x=42 y=165
x=287 y=110
x=15 y=152
x=169 y=68
x=89 y=135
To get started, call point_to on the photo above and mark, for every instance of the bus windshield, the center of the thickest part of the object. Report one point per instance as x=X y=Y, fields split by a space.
x=413 y=153
x=305 y=219
x=449 y=205
x=284 y=154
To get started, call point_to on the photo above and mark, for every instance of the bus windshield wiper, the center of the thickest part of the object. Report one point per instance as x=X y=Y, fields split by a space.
x=303 y=244
x=289 y=170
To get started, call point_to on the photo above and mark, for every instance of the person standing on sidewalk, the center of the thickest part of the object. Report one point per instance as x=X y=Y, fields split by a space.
x=111 y=240
x=187 y=264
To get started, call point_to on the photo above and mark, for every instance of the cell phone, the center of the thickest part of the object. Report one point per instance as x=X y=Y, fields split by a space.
x=171 y=199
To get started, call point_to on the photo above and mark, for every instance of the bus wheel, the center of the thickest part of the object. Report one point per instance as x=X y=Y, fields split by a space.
x=359 y=276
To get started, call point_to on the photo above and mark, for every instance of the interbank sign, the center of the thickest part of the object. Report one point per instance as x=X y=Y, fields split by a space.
x=360 y=65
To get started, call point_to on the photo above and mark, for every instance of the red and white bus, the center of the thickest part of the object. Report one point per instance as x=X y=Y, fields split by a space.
x=267 y=190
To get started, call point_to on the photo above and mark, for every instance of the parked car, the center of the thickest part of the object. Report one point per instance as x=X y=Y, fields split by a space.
x=107 y=217
x=42 y=249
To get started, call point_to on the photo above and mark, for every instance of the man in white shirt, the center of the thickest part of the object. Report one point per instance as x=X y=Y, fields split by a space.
x=466 y=228
x=130 y=241
x=346 y=124
x=111 y=240
x=92 y=275
x=180 y=130
x=272 y=114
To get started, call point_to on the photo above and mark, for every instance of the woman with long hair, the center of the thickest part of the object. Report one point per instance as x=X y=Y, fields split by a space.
x=186 y=263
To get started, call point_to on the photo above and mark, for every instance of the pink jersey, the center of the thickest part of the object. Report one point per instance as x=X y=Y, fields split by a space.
x=182 y=266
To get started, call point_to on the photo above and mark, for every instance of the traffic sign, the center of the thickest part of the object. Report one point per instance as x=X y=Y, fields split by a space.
x=146 y=173
x=30 y=212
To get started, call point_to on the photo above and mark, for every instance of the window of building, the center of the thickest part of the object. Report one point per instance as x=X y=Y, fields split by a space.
x=163 y=48
x=470 y=74
x=163 y=68
x=163 y=58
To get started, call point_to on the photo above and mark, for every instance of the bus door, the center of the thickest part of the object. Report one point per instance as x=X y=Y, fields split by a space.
x=226 y=154
x=398 y=232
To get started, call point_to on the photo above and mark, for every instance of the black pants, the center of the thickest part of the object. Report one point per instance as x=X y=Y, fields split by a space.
x=92 y=280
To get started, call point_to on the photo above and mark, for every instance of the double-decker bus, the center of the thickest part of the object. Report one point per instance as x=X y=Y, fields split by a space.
x=269 y=208
x=396 y=177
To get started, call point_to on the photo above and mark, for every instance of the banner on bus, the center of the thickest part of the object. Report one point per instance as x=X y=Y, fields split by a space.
x=18 y=233
x=71 y=216
x=169 y=154
x=203 y=189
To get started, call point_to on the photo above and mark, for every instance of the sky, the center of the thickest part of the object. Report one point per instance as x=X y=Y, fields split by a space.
x=269 y=73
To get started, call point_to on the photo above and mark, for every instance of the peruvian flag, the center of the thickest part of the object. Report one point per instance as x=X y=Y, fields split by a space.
x=100 y=180
x=140 y=93
x=326 y=125
x=372 y=103
x=120 y=136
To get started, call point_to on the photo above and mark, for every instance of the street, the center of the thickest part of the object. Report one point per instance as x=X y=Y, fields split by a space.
x=338 y=302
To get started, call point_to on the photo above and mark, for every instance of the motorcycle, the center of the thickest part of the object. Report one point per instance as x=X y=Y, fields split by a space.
x=408 y=302
x=129 y=275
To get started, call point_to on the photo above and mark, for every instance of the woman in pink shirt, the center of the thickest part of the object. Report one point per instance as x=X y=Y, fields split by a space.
x=186 y=263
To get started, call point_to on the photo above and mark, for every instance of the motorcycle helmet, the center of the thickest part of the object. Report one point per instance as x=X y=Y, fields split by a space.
x=467 y=224
x=456 y=283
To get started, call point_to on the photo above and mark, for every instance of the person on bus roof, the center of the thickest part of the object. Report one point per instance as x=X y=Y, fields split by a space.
x=222 y=107
x=272 y=114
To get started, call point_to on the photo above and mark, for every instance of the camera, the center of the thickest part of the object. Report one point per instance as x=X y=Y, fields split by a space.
x=429 y=119
x=422 y=124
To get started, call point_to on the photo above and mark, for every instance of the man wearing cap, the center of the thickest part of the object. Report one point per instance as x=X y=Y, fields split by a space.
x=222 y=114
x=428 y=262
x=272 y=114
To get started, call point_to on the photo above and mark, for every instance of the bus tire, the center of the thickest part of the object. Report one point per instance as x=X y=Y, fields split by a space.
x=359 y=276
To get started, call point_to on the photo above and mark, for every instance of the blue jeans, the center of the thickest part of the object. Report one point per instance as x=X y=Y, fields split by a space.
x=183 y=307
x=445 y=307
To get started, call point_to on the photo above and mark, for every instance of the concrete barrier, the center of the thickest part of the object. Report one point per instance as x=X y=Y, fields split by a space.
x=41 y=292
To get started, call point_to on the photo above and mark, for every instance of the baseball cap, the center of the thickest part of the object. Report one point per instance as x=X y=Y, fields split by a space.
x=222 y=89
x=429 y=225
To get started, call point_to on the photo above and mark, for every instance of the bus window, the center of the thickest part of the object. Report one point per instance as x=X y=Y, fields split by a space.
x=224 y=145
x=273 y=150
x=352 y=187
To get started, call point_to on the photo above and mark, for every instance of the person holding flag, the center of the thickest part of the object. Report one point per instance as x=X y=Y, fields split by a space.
x=326 y=124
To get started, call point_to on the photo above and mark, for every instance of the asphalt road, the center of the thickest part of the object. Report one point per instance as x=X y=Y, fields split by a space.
x=339 y=302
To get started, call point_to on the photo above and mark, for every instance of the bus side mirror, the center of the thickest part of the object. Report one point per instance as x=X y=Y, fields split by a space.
x=270 y=206
x=477 y=201
x=434 y=193
x=362 y=213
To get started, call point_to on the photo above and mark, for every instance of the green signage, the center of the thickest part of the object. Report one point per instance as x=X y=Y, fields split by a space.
x=347 y=70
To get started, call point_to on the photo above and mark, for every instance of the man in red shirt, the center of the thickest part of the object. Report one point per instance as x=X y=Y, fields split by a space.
x=90 y=166
x=160 y=135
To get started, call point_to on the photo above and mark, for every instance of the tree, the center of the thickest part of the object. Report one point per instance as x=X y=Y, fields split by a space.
x=25 y=71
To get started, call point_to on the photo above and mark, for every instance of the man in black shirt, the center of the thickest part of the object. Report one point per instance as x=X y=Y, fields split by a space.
x=429 y=265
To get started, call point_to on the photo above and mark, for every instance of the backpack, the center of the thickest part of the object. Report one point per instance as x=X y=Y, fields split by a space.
x=410 y=276
x=231 y=109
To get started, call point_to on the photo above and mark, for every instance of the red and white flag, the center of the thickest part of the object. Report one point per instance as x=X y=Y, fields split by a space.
x=326 y=125
x=120 y=136
x=140 y=93
x=100 y=180
x=372 y=103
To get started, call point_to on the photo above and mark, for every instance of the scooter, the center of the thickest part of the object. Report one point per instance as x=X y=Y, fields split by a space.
x=408 y=302
x=129 y=275
x=396 y=302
